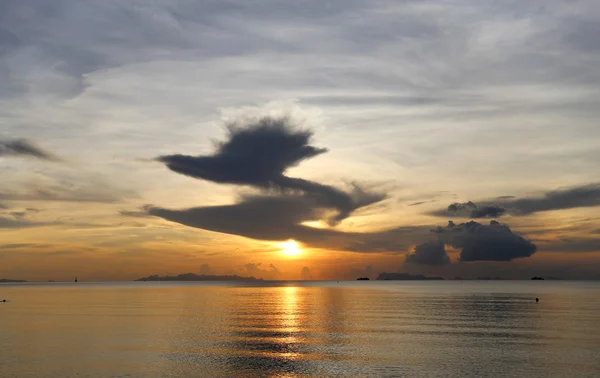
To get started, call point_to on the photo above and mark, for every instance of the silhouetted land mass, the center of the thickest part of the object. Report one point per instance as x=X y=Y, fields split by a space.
x=537 y=278
x=362 y=279
x=6 y=280
x=405 y=277
x=486 y=278
x=195 y=277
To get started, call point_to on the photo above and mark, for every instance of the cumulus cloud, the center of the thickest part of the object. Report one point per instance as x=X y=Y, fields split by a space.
x=258 y=270
x=471 y=210
x=429 y=253
x=25 y=148
x=258 y=154
x=493 y=242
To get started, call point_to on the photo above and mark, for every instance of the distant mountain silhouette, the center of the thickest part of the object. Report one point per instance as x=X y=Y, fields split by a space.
x=195 y=277
x=6 y=280
x=405 y=277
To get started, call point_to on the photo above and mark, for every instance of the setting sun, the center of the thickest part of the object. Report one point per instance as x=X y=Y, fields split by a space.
x=290 y=248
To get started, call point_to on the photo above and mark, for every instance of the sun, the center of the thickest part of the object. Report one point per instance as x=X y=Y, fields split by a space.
x=290 y=248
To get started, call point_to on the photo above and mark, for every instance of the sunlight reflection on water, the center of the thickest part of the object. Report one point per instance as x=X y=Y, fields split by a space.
x=369 y=329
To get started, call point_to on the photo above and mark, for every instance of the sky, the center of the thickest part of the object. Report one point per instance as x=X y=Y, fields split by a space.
x=299 y=140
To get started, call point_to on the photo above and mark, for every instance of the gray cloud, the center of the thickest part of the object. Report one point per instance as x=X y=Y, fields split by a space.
x=493 y=242
x=580 y=196
x=429 y=253
x=20 y=223
x=258 y=154
x=274 y=218
x=569 y=198
x=25 y=148
x=471 y=210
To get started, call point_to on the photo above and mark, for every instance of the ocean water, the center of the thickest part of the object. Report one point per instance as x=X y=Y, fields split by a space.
x=301 y=329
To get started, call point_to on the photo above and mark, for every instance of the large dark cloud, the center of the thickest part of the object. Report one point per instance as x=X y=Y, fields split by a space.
x=493 y=242
x=579 y=196
x=258 y=155
x=273 y=217
x=429 y=253
x=24 y=148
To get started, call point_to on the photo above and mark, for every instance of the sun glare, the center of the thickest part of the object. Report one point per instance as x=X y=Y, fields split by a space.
x=290 y=248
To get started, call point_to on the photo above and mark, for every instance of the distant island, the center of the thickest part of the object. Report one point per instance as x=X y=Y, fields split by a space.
x=195 y=277
x=405 y=277
x=362 y=279
x=6 y=280
x=537 y=278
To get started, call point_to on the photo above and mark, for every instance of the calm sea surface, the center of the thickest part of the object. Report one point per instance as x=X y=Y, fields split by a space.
x=301 y=329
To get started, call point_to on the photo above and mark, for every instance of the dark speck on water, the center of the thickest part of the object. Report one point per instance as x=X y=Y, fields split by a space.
x=302 y=329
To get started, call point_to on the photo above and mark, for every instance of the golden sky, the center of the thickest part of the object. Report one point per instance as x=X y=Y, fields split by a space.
x=319 y=142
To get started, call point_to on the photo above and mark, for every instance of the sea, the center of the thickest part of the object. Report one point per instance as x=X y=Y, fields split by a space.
x=301 y=329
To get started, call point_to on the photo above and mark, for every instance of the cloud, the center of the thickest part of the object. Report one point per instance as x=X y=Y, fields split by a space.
x=135 y=213
x=258 y=270
x=488 y=211
x=569 y=198
x=493 y=242
x=279 y=218
x=24 y=148
x=471 y=210
x=206 y=269
x=429 y=253
x=305 y=273
x=21 y=223
x=258 y=153
x=580 y=196
x=24 y=245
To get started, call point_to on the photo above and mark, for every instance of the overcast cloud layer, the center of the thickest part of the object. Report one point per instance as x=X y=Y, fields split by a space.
x=380 y=119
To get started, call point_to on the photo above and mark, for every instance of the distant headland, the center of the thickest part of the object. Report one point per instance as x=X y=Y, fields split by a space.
x=6 y=280
x=405 y=277
x=195 y=277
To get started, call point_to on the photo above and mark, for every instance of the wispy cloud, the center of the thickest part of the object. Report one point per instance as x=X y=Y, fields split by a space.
x=25 y=148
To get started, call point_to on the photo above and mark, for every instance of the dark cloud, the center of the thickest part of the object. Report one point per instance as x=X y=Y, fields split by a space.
x=429 y=253
x=258 y=154
x=24 y=148
x=580 y=196
x=489 y=211
x=493 y=242
x=279 y=218
x=570 y=198
x=456 y=206
x=471 y=210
